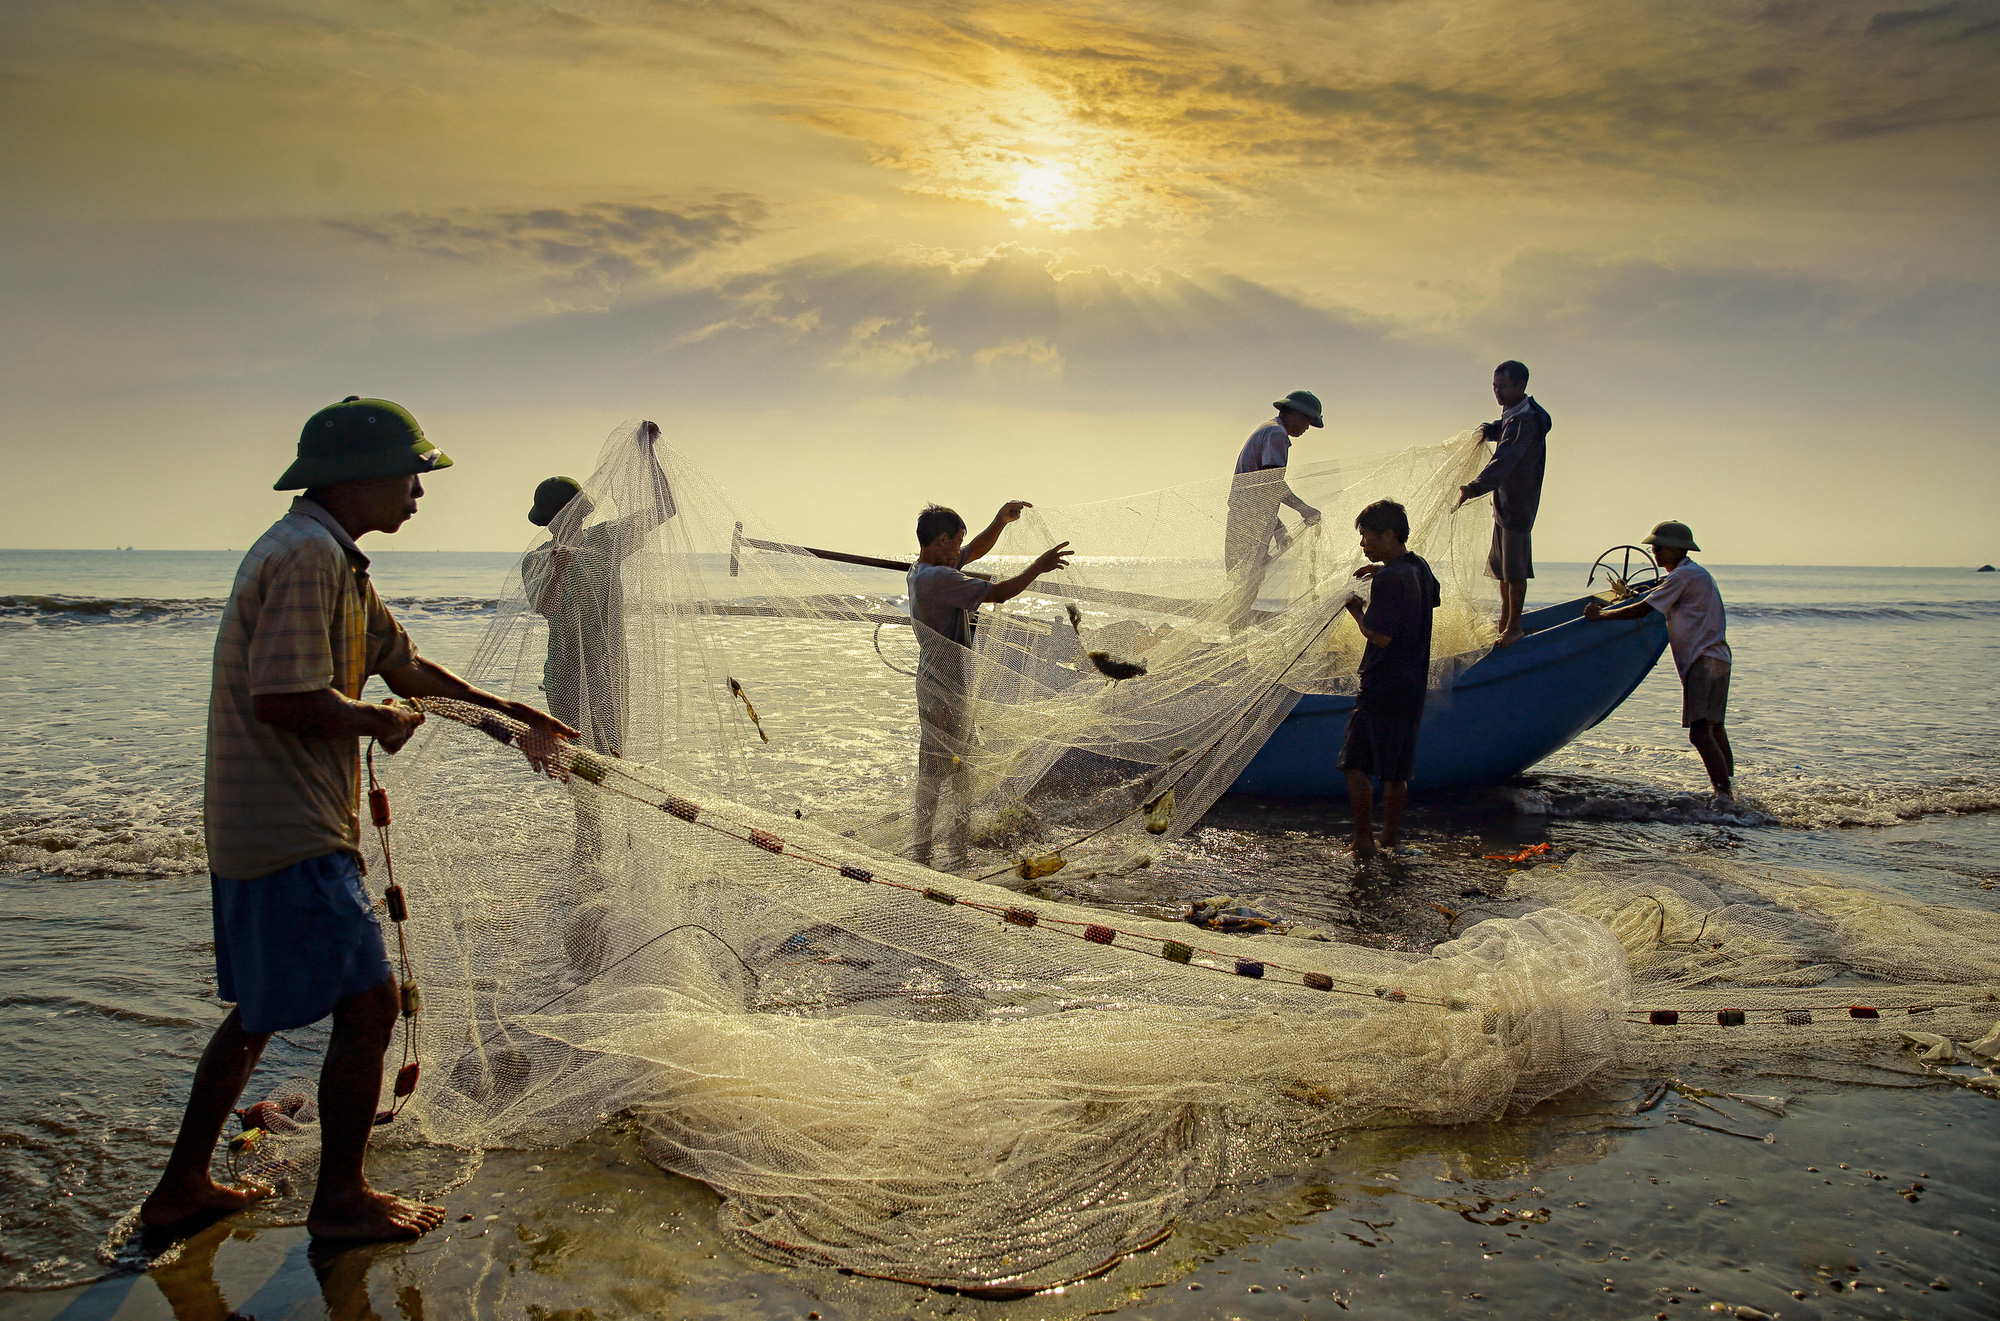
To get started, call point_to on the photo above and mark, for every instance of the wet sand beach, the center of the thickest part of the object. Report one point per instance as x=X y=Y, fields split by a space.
x=1855 y=1176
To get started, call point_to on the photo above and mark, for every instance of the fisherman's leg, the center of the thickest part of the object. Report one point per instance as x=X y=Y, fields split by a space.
x=1713 y=758
x=350 y=1086
x=1728 y=753
x=1361 y=807
x=1394 y=794
x=1512 y=597
x=923 y=819
x=958 y=828
x=187 y=1190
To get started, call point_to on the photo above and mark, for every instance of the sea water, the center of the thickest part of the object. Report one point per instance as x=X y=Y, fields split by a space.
x=1869 y=746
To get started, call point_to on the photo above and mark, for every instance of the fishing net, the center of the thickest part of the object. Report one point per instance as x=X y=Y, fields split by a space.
x=711 y=919
x=1779 y=957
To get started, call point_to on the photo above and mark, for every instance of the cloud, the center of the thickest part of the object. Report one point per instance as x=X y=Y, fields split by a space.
x=1652 y=302
x=1011 y=308
x=606 y=244
x=1168 y=119
x=1894 y=20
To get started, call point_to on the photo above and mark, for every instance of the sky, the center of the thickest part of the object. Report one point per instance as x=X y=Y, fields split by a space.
x=854 y=257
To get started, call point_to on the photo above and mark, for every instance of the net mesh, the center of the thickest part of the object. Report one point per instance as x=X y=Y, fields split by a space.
x=713 y=919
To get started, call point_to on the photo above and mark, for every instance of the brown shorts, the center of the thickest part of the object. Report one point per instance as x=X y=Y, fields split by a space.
x=1705 y=691
x=1512 y=559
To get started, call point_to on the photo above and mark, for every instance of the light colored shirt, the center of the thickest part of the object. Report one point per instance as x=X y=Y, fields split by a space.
x=1269 y=446
x=1696 y=623
x=302 y=616
x=940 y=597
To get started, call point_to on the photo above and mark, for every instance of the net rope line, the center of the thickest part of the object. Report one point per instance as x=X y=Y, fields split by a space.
x=409 y=996
x=591 y=767
x=595 y=765
x=1749 y=1005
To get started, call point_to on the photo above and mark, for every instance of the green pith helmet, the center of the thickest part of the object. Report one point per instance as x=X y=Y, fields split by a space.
x=358 y=439
x=550 y=497
x=1670 y=533
x=1303 y=401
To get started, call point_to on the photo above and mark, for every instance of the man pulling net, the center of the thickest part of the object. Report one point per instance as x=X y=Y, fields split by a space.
x=942 y=598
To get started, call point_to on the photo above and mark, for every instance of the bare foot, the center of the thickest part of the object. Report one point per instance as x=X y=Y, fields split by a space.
x=1509 y=638
x=369 y=1216
x=170 y=1209
x=1362 y=849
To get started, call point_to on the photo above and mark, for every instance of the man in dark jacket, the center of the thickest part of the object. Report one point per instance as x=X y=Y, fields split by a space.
x=1514 y=479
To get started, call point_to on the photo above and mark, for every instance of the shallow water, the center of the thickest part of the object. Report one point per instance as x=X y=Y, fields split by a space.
x=1861 y=716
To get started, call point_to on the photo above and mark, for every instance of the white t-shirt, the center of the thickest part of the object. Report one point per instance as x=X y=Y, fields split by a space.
x=1696 y=625
x=1269 y=446
x=940 y=596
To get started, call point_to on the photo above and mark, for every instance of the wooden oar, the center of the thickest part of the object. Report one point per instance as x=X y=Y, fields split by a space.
x=1164 y=605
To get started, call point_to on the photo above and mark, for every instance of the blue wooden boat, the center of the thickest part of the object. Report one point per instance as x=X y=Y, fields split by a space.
x=1513 y=708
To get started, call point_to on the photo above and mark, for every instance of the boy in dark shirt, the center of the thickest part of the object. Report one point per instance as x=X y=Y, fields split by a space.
x=1395 y=674
x=941 y=599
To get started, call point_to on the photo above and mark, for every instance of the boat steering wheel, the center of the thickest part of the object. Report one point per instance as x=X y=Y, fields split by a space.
x=1623 y=573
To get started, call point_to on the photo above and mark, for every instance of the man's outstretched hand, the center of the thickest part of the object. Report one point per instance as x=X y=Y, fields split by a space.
x=1365 y=571
x=1055 y=557
x=1312 y=516
x=1464 y=494
x=1012 y=510
x=544 y=732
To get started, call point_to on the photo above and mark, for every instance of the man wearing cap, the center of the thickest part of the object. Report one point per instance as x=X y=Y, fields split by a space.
x=1697 y=628
x=575 y=581
x=1513 y=477
x=295 y=935
x=1259 y=488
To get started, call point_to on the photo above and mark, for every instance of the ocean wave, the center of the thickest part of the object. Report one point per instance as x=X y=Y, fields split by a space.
x=56 y=610
x=81 y=848
x=1901 y=611
x=1809 y=804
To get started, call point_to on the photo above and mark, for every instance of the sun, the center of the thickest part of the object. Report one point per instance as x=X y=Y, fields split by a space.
x=1044 y=190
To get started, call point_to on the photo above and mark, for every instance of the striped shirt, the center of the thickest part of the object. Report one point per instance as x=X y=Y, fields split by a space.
x=302 y=616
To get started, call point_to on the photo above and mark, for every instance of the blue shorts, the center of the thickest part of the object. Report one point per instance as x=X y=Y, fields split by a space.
x=292 y=945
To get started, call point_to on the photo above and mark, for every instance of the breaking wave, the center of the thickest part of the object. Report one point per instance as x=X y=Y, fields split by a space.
x=67 y=611
x=78 y=846
x=1805 y=804
x=1914 y=612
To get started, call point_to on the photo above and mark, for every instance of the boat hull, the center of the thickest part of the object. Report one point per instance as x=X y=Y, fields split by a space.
x=1516 y=706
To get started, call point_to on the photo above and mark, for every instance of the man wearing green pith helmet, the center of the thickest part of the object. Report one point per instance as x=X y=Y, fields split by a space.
x=296 y=937
x=1254 y=534
x=575 y=580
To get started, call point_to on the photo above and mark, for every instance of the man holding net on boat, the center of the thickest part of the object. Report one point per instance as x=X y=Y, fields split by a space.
x=1513 y=477
x=296 y=937
x=942 y=599
x=1255 y=535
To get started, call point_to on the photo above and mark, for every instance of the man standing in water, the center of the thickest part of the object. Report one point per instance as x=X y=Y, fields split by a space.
x=1513 y=477
x=575 y=582
x=1698 y=629
x=1388 y=713
x=1258 y=488
x=295 y=936
x=941 y=601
